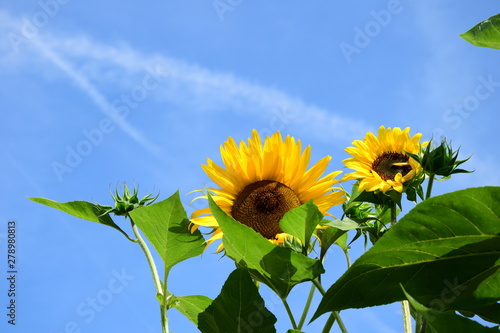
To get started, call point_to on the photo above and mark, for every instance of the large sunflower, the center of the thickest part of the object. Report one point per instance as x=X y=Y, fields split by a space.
x=381 y=162
x=261 y=182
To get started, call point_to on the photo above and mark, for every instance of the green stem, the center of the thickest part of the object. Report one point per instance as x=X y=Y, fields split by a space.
x=420 y=325
x=404 y=304
x=406 y=316
x=394 y=213
x=290 y=315
x=348 y=259
x=329 y=324
x=335 y=316
x=318 y=285
x=429 y=186
x=154 y=272
x=306 y=307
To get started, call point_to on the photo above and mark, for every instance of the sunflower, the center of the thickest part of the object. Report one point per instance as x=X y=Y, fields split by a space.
x=261 y=182
x=381 y=162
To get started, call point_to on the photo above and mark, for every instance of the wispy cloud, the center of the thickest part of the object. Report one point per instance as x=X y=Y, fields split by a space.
x=43 y=48
x=184 y=83
x=95 y=95
x=212 y=90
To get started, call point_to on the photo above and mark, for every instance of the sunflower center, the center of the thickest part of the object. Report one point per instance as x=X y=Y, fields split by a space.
x=262 y=204
x=388 y=165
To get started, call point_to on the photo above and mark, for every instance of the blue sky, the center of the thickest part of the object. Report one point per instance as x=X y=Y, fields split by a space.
x=182 y=76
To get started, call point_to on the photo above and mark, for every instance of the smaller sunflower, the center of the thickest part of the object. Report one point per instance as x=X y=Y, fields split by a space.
x=381 y=162
x=261 y=181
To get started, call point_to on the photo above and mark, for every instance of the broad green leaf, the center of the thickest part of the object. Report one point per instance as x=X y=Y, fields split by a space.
x=166 y=226
x=444 y=322
x=445 y=252
x=279 y=268
x=330 y=236
x=485 y=33
x=238 y=308
x=82 y=209
x=192 y=306
x=301 y=222
x=489 y=313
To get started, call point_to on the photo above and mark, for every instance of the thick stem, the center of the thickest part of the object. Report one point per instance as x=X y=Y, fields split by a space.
x=429 y=186
x=406 y=316
x=419 y=326
x=394 y=213
x=318 y=285
x=290 y=314
x=348 y=259
x=154 y=272
x=306 y=307
x=405 y=305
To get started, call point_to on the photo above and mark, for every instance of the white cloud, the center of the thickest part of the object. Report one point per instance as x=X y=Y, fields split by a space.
x=212 y=90
x=183 y=83
x=15 y=33
x=95 y=95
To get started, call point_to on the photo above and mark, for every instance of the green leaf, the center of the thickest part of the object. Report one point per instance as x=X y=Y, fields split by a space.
x=279 y=268
x=192 y=306
x=301 y=222
x=485 y=33
x=489 y=313
x=238 y=308
x=330 y=236
x=166 y=226
x=345 y=224
x=444 y=322
x=445 y=252
x=82 y=209
x=342 y=242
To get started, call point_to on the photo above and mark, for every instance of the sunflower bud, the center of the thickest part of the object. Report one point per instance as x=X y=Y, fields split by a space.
x=128 y=201
x=358 y=211
x=440 y=160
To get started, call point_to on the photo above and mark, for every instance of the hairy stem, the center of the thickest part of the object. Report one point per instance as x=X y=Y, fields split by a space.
x=154 y=272
x=405 y=305
x=306 y=307
x=429 y=186
x=406 y=316
x=289 y=312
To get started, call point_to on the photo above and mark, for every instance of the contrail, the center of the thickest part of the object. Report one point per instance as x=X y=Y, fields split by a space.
x=95 y=95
